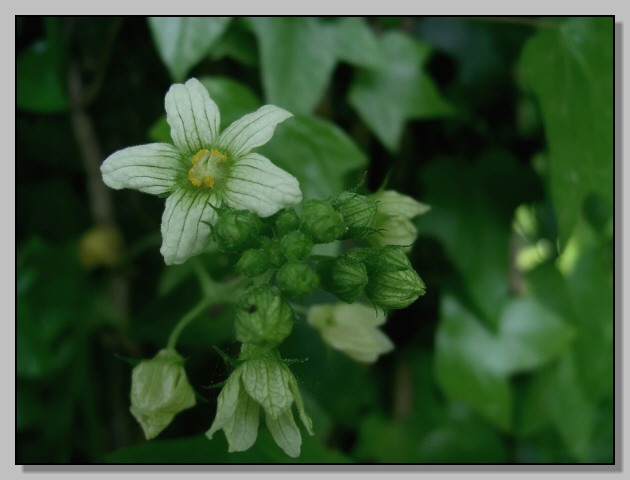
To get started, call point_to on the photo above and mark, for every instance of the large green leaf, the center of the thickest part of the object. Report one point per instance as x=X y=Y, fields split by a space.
x=471 y=214
x=467 y=367
x=182 y=42
x=398 y=91
x=297 y=59
x=570 y=70
x=317 y=152
x=357 y=44
x=568 y=407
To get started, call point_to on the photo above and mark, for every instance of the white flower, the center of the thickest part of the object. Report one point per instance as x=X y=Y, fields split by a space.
x=351 y=329
x=394 y=212
x=204 y=168
x=260 y=381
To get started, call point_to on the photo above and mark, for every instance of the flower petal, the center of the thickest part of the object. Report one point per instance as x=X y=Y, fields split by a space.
x=185 y=224
x=193 y=116
x=257 y=185
x=226 y=404
x=390 y=202
x=268 y=383
x=242 y=430
x=149 y=168
x=361 y=344
x=252 y=130
x=285 y=432
x=394 y=230
x=299 y=403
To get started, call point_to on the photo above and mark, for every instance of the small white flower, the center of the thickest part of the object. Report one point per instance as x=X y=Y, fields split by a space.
x=264 y=382
x=394 y=212
x=204 y=168
x=352 y=329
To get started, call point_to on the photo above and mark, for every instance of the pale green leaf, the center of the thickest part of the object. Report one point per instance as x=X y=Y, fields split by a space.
x=570 y=71
x=297 y=57
x=182 y=42
x=398 y=91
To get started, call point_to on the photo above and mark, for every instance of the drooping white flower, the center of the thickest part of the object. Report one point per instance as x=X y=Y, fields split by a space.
x=394 y=212
x=204 y=169
x=261 y=380
x=352 y=329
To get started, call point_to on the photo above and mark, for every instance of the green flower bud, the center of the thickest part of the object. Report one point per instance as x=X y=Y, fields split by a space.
x=263 y=318
x=359 y=214
x=395 y=289
x=344 y=277
x=272 y=248
x=322 y=221
x=253 y=262
x=287 y=221
x=393 y=283
x=296 y=245
x=237 y=230
x=297 y=280
x=159 y=391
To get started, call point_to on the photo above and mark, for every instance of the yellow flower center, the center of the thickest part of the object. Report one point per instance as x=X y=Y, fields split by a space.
x=208 y=166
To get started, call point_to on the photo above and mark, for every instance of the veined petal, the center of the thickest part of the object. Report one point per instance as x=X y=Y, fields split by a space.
x=299 y=403
x=257 y=185
x=227 y=403
x=285 y=432
x=185 y=224
x=390 y=202
x=252 y=130
x=193 y=116
x=149 y=168
x=395 y=230
x=268 y=384
x=361 y=344
x=242 y=430
x=358 y=314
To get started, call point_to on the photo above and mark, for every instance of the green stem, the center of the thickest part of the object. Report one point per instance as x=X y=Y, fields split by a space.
x=186 y=319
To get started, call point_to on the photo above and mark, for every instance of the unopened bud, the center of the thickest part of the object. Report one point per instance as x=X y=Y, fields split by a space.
x=322 y=221
x=287 y=221
x=344 y=277
x=359 y=214
x=393 y=283
x=159 y=391
x=297 y=280
x=253 y=262
x=263 y=318
x=237 y=230
x=296 y=245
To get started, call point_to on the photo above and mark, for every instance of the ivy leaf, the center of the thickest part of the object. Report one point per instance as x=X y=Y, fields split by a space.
x=356 y=43
x=570 y=71
x=466 y=367
x=400 y=90
x=182 y=42
x=317 y=152
x=297 y=59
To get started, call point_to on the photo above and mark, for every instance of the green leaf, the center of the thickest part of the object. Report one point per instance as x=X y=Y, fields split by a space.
x=467 y=368
x=297 y=57
x=567 y=406
x=471 y=214
x=317 y=152
x=40 y=83
x=182 y=42
x=356 y=43
x=570 y=70
x=531 y=335
x=400 y=90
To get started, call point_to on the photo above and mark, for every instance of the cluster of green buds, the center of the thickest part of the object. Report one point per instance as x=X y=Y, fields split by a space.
x=218 y=188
